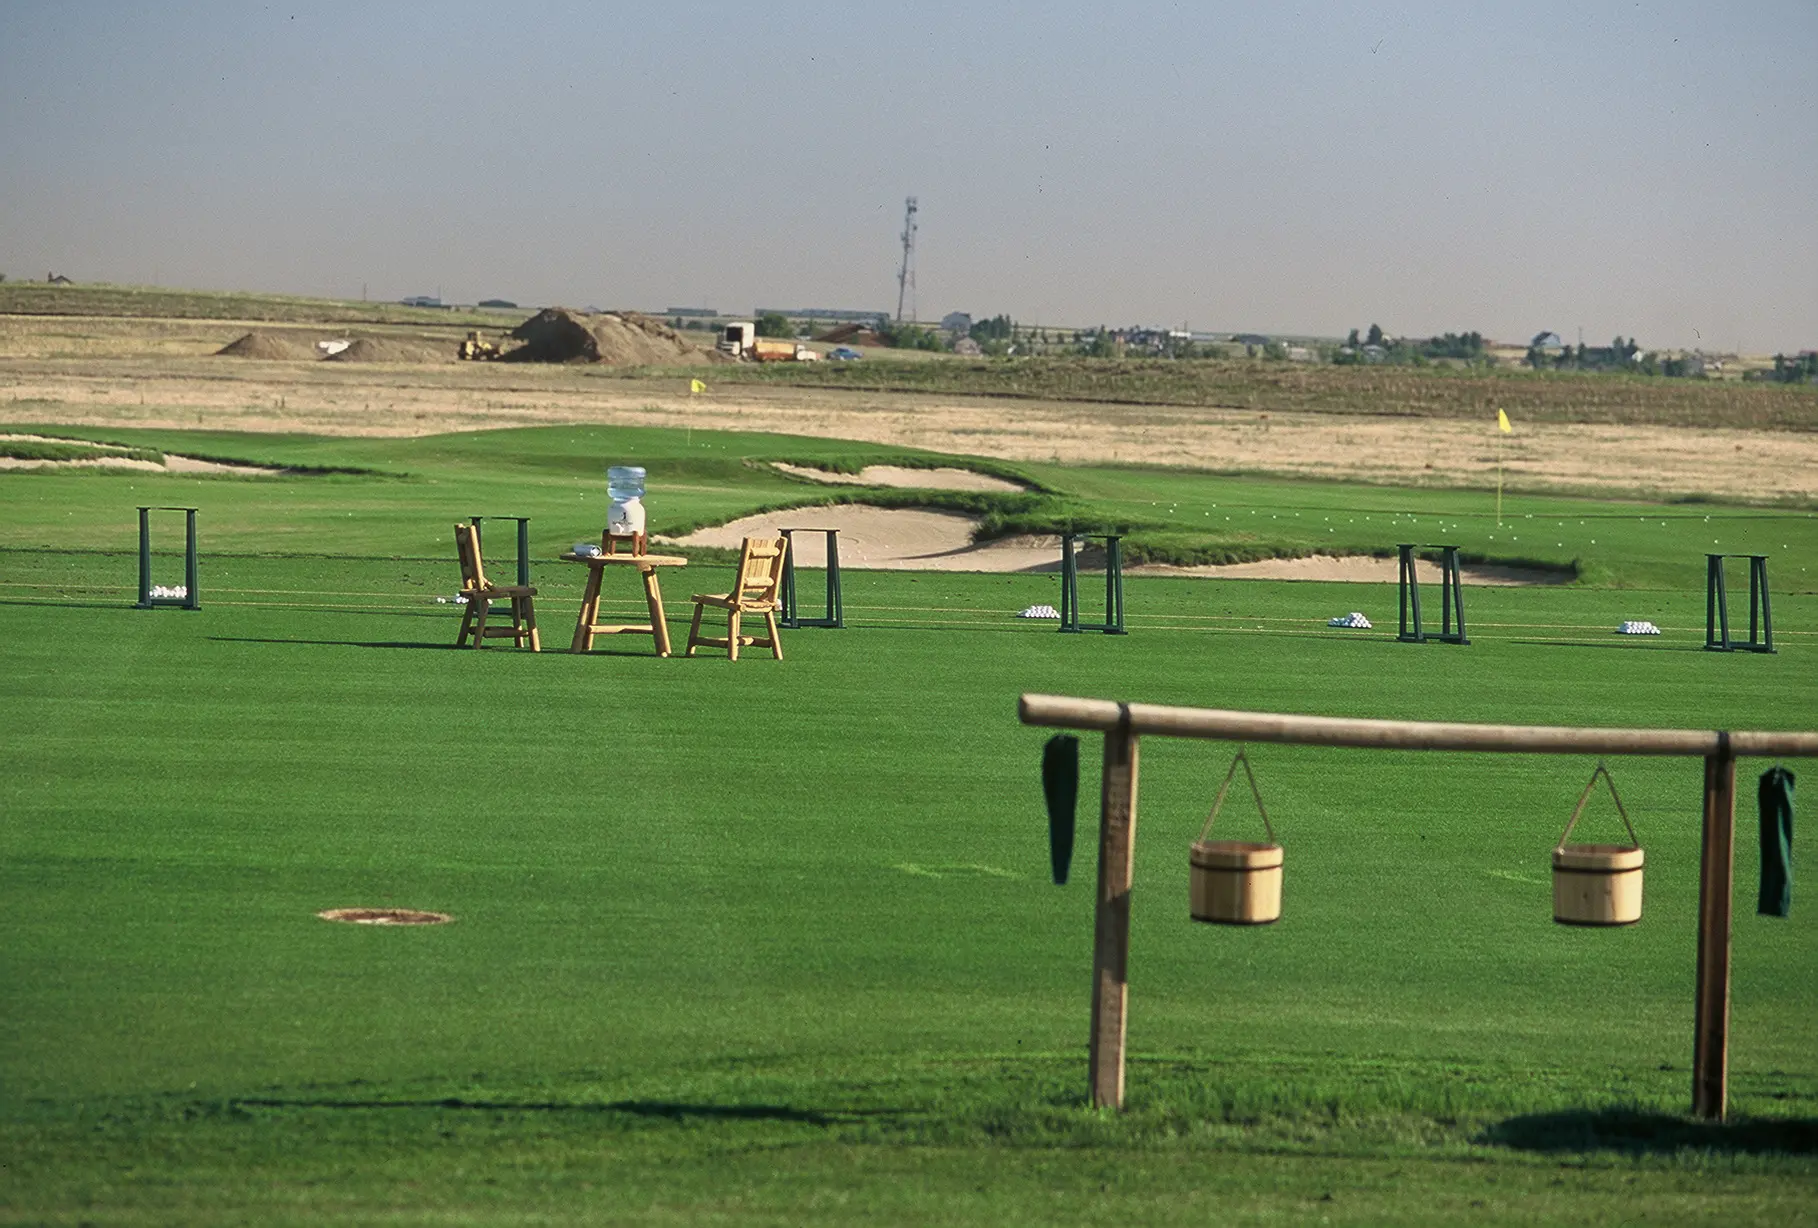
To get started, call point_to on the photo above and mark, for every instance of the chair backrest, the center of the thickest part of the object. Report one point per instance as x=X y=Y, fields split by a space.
x=760 y=570
x=467 y=545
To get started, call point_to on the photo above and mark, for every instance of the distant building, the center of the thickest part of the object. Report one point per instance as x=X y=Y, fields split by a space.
x=502 y=303
x=1249 y=339
x=966 y=347
x=420 y=300
x=824 y=313
x=695 y=313
x=957 y=322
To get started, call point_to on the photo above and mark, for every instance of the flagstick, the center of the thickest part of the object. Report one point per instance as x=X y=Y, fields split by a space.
x=1499 y=480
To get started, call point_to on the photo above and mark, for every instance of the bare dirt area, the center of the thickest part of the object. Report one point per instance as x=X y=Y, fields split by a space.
x=906 y=540
x=356 y=399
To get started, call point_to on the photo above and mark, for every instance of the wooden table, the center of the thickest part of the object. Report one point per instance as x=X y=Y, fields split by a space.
x=647 y=564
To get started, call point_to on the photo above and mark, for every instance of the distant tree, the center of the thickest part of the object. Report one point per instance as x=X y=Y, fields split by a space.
x=1375 y=337
x=1103 y=344
x=1800 y=370
x=1352 y=340
x=910 y=337
x=774 y=324
x=997 y=328
x=1275 y=351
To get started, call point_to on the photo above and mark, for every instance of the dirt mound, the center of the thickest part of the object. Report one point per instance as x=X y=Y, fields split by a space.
x=851 y=334
x=374 y=349
x=272 y=346
x=618 y=339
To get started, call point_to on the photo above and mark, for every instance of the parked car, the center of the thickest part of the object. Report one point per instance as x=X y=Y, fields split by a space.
x=843 y=353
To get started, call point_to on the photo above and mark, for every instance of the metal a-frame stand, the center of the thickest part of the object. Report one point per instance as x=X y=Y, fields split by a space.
x=790 y=615
x=191 y=599
x=1452 y=598
x=1114 y=585
x=1717 y=609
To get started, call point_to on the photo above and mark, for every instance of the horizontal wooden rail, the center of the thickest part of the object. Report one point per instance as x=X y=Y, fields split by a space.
x=1067 y=712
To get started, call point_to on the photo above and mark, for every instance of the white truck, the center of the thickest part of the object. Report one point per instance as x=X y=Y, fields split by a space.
x=739 y=339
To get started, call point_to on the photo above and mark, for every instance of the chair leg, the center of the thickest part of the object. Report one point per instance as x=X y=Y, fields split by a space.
x=466 y=626
x=479 y=626
x=694 y=629
x=732 y=633
x=776 y=641
x=528 y=614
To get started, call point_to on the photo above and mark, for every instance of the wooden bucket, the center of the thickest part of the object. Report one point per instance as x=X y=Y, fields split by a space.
x=1235 y=882
x=1597 y=884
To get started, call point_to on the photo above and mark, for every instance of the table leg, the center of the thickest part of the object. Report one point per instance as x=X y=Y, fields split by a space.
x=590 y=612
x=659 y=626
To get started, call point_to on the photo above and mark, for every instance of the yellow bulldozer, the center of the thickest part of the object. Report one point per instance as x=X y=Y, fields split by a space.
x=474 y=349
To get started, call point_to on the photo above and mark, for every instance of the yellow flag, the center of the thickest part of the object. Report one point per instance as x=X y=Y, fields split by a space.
x=1502 y=423
x=695 y=385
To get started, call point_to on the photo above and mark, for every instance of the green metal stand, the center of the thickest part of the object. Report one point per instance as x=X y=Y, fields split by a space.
x=790 y=614
x=1114 y=585
x=191 y=599
x=1717 y=608
x=1452 y=598
x=523 y=543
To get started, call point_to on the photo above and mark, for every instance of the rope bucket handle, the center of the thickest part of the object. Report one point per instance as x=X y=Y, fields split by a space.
x=1219 y=802
x=1600 y=770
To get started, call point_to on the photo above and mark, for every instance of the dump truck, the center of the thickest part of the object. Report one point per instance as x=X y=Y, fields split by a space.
x=740 y=340
x=474 y=349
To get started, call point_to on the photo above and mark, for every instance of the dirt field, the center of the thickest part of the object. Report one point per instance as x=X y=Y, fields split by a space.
x=164 y=372
x=384 y=399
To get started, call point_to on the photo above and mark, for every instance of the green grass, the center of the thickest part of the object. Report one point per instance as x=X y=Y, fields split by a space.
x=776 y=942
x=155 y=302
x=52 y=450
x=553 y=475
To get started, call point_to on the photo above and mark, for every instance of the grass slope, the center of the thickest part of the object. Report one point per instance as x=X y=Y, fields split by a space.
x=776 y=942
x=553 y=475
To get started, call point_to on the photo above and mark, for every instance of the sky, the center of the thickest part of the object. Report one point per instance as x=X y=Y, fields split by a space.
x=1645 y=170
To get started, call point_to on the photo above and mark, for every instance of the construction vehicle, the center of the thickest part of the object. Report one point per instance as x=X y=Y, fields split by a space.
x=476 y=350
x=740 y=340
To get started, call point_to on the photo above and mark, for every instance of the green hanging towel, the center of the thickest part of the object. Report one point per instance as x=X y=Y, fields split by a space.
x=1776 y=843
x=1060 y=786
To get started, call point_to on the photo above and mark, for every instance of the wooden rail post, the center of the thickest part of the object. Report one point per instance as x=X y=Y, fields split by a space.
x=1716 y=886
x=1111 y=926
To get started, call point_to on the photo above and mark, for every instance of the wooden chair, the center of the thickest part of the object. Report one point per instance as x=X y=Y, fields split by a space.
x=481 y=593
x=755 y=592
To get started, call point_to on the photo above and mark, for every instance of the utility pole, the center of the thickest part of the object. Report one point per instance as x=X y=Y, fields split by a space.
x=905 y=278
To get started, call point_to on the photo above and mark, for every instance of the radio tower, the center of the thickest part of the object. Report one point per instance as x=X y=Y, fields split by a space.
x=905 y=279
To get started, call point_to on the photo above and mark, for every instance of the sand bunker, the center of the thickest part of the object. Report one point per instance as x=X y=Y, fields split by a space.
x=890 y=539
x=896 y=475
x=626 y=339
x=172 y=463
x=373 y=349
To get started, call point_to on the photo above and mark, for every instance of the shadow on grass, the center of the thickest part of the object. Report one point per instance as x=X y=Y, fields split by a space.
x=65 y=604
x=437 y=647
x=241 y=639
x=665 y=1110
x=1631 y=646
x=1635 y=1132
